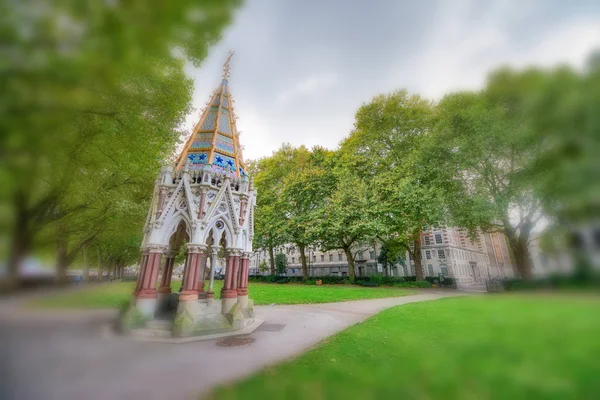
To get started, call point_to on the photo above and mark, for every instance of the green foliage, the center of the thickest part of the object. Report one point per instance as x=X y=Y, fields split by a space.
x=416 y=284
x=281 y=263
x=93 y=95
x=263 y=267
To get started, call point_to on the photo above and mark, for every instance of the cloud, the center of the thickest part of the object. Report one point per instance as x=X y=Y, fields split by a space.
x=461 y=51
x=308 y=86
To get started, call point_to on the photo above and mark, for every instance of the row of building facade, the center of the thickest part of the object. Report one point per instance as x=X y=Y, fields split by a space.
x=447 y=251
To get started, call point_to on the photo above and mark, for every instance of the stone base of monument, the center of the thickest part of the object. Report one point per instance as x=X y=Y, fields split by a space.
x=199 y=319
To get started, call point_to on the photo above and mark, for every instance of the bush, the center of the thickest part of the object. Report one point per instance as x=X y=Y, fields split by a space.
x=551 y=282
x=415 y=284
x=448 y=282
x=369 y=283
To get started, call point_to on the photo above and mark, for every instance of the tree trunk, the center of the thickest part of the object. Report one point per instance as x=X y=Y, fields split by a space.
x=302 y=250
x=417 y=256
x=519 y=248
x=22 y=240
x=272 y=260
x=99 y=274
x=86 y=266
x=350 y=258
x=62 y=255
x=521 y=253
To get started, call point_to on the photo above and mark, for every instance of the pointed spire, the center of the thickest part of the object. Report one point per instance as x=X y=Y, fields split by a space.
x=227 y=67
x=215 y=139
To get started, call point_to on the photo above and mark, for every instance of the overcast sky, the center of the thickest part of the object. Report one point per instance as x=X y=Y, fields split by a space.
x=302 y=68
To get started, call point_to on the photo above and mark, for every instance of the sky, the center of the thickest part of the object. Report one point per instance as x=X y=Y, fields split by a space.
x=302 y=68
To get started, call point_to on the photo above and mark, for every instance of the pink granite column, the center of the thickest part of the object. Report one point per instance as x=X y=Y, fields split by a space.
x=229 y=290
x=148 y=288
x=242 y=288
x=142 y=271
x=191 y=273
x=165 y=284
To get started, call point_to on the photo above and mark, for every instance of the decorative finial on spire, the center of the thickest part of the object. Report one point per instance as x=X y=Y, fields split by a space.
x=226 y=67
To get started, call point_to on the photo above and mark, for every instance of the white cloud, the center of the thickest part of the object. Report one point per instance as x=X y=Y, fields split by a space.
x=461 y=52
x=307 y=86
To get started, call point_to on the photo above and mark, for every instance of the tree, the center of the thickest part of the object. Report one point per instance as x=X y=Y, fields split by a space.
x=385 y=150
x=281 y=263
x=304 y=192
x=263 y=267
x=528 y=145
x=269 y=174
x=490 y=146
x=391 y=253
x=346 y=220
x=92 y=98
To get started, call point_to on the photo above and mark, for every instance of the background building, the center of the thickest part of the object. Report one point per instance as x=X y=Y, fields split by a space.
x=445 y=250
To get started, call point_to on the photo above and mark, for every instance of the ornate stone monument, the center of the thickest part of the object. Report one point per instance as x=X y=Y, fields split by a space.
x=205 y=201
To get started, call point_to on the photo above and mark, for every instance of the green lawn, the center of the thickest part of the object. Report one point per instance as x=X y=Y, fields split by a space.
x=493 y=347
x=115 y=294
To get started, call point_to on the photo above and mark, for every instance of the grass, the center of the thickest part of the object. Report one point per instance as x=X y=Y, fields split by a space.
x=116 y=293
x=492 y=347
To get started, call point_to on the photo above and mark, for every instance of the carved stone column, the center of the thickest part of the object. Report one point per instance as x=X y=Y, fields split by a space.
x=214 y=252
x=242 y=287
x=142 y=270
x=201 y=273
x=146 y=296
x=229 y=291
x=165 y=283
x=195 y=253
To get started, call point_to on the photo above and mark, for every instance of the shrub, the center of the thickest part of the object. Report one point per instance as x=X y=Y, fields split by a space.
x=369 y=283
x=377 y=279
x=415 y=284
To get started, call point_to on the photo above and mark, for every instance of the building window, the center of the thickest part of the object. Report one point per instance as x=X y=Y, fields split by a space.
x=360 y=255
x=427 y=243
x=331 y=257
x=430 y=269
x=438 y=238
x=371 y=254
x=428 y=254
x=441 y=254
x=405 y=270
x=314 y=258
x=444 y=270
x=322 y=257
x=339 y=256
x=293 y=260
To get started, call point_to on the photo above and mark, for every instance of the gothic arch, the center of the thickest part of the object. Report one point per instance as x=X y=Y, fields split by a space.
x=173 y=224
x=216 y=231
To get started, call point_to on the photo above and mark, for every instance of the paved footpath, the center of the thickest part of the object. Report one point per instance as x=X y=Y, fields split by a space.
x=69 y=356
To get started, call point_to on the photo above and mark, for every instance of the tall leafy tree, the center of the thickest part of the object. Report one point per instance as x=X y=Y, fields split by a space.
x=384 y=149
x=305 y=191
x=347 y=218
x=269 y=174
x=527 y=144
x=93 y=94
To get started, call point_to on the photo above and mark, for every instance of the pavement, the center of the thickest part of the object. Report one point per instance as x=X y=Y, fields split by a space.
x=70 y=355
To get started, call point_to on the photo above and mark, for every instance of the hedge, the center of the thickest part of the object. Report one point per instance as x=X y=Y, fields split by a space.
x=552 y=282
x=374 y=280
